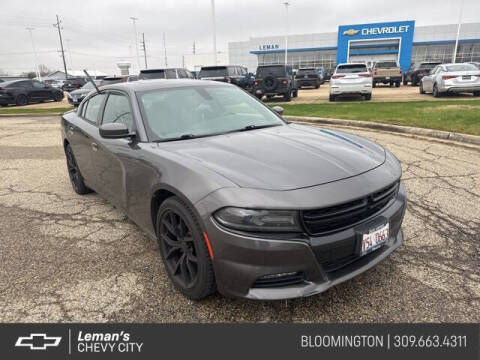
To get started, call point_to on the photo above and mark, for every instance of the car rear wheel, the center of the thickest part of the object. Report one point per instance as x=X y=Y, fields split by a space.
x=414 y=81
x=57 y=97
x=295 y=93
x=184 y=250
x=397 y=84
x=405 y=82
x=476 y=93
x=420 y=89
x=76 y=177
x=21 y=100
x=368 y=97
x=259 y=97
x=332 y=98
x=374 y=84
x=288 y=95
x=436 y=93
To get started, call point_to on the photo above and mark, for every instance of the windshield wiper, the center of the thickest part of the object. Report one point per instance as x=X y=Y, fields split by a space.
x=182 y=137
x=254 y=127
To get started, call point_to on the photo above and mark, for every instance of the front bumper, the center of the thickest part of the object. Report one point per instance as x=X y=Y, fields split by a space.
x=75 y=101
x=241 y=259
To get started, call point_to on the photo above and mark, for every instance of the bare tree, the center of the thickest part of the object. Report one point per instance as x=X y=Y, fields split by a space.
x=44 y=70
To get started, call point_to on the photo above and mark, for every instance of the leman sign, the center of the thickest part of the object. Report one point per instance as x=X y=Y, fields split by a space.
x=385 y=30
x=268 y=47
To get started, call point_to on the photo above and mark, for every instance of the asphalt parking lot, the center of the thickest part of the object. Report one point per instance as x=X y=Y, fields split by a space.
x=70 y=258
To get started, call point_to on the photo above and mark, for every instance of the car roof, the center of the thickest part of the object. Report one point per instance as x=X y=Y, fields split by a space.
x=147 y=85
x=352 y=63
x=5 y=83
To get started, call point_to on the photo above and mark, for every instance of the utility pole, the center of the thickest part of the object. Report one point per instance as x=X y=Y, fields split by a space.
x=214 y=28
x=454 y=60
x=193 y=47
x=165 y=50
x=144 y=50
x=134 y=19
x=57 y=25
x=30 y=29
x=287 y=4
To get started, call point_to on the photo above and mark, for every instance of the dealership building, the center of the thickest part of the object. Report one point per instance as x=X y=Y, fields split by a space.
x=401 y=41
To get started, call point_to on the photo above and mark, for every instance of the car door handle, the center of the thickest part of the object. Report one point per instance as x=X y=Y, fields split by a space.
x=94 y=146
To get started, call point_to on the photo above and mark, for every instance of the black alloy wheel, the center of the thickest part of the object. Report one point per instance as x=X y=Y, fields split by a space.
x=184 y=251
x=57 y=97
x=21 y=100
x=76 y=177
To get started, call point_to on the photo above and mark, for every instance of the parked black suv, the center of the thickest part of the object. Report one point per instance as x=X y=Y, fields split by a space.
x=73 y=83
x=274 y=80
x=232 y=74
x=172 y=73
x=308 y=77
x=22 y=92
x=417 y=71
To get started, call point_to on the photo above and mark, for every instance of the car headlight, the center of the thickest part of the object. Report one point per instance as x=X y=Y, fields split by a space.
x=259 y=220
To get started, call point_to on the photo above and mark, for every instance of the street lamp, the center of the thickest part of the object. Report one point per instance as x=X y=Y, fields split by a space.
x=454 y=60
x=287 y=4
x=214 y=28
x=134 y=19
x=30 y=29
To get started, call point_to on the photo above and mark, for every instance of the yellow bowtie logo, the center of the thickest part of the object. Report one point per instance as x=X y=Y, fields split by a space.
x=351 y=32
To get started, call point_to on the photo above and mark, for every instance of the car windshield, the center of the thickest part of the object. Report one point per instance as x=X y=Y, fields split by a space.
x=87 y=86
x=195 y=111
x=306 y=71
x=351 y=68
x=461 y=67
x=216 y=71
x=386 y=64
x=275 y=71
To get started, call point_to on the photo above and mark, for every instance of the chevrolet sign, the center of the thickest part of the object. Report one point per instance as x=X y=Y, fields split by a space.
x=385 y=30
x=351 y=32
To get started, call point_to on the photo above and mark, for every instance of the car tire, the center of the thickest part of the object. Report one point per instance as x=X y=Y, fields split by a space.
x=76 y=177
x=405 y=81
x=184 y=250
x=397 y=84
x=368 y=97
x=3 y=105
x=414 y=81
x=259 y=97
x=288 y=96
x=435 y=91
x=317 y=86
x=21 y=100
x=476 y=93
x=420 y=88
x=374 y=84
x=331 y=98
x=295 y=93
x=57 y=97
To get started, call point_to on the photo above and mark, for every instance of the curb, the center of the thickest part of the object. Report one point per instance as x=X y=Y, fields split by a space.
x=438 y=134
x=30 y=115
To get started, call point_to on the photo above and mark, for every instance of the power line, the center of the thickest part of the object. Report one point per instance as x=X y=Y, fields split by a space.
x=57 y=25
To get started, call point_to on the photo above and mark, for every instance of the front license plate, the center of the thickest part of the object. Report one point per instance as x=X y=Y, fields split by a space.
x=374 y=239
x=466 y=77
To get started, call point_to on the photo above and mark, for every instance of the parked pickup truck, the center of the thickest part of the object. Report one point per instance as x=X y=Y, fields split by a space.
x=387 y=72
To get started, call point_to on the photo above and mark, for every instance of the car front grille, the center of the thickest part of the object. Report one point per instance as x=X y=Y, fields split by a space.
x=339 y=217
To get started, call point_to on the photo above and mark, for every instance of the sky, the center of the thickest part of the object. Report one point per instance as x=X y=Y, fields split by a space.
x=99 y=33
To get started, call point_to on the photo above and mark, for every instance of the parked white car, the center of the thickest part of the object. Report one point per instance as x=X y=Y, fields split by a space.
x=58 y=84
x=351 y=79
x=451 y=78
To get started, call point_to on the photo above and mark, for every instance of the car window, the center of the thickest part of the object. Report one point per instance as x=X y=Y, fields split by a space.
x=152 y=74
x=351 y=68
x=461 y=67
x=213 y=71
x=38 y=85
x=182 y=74
x=93 y=107
x=386 y=64
x=189 y=74
x=170 y=74
x=275 y=71
x=117 y=110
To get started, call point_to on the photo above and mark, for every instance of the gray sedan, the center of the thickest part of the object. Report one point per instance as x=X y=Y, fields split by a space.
x=239 y=200
x=451 y=78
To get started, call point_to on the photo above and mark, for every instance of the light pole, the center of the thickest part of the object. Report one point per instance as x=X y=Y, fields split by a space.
x=454 y=60
x=30 y=29
x=287 y=4
x=214 y=28
x=134 y=19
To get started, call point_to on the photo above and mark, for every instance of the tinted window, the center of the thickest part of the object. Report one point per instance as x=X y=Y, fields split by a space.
x=182 y=74
x=117 y=110
x=213 y=71
x=152 y=74
x=302 y=72
x=386 y=64
x=275 y=71
x=93 y=107
x=351 y=68
x=38 y=85
x=428 y=65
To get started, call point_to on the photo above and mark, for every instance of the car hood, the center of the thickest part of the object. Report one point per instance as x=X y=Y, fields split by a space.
x=283 y=157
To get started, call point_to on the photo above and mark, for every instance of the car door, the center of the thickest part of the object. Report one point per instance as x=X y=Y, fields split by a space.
x=110 y=155
x=81 y=135
x=428 y=80
x=40 y=91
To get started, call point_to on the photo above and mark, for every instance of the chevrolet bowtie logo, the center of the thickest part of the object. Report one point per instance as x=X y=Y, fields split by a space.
x=351 y=32
x=38 y=341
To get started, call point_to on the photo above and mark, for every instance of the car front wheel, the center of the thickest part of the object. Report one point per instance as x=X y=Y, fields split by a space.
x=76 y=177
x=21 y=100
x=420 y=89
x=184 y=250
x=436 y=93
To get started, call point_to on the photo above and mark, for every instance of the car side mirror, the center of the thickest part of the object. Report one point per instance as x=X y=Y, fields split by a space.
x=278 y=110
x=114 y=131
